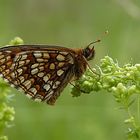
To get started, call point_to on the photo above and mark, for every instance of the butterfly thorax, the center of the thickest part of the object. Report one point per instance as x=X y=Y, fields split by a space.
x=79 y=66
x=81 y=58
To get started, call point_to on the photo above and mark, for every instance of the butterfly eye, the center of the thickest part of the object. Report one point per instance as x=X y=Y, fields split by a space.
x=89 y=53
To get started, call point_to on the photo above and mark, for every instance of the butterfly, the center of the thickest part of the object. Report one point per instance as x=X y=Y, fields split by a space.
x=43 y=71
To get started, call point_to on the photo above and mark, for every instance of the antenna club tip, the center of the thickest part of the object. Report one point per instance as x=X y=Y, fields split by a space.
x=99 y=40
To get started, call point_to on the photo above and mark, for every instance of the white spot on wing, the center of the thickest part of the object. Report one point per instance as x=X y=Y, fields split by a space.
x=24 y=56
x=41 y=74
x=34 y=71
x=60 y=57
x=27 y=84
x=13 y=75
x=50 y=82
x=47 y=97
x=33 y=90
x=46 y=77
x=41 y=68
x=41 y=60
x=60 y=72
x=15 y=82
x=27 y=61
x=61 y=64
x=21 y=63
x=52 y=66
x=46 y=55
x=64 y=53
x=8 y=51
x=47 y=87
x=38 y=54
x=19 y=71
x=21 y=78
x=34 y=65
x=56 y=84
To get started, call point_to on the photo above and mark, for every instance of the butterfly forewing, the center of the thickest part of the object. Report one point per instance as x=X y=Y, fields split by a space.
x=42 y=73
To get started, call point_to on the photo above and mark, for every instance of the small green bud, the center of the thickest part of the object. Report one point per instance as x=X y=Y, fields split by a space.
x=122 y=81
x=114 y=89
x=16 y=41
x=130 y=120
x=128 y=74
x=121 y=88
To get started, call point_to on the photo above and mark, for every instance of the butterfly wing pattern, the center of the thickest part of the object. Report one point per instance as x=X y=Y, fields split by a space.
x=41 y=71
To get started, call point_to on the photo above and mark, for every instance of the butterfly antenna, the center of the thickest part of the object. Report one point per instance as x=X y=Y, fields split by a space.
x=98 y=40
x=94 y=42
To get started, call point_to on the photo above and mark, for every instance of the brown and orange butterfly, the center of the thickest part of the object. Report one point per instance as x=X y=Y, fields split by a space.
x=43 y=71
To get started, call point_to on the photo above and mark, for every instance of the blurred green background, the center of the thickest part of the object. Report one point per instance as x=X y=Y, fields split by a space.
x=72 y=23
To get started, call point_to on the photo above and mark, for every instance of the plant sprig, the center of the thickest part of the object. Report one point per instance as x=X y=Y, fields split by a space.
x=6 y=112
x=123 y=82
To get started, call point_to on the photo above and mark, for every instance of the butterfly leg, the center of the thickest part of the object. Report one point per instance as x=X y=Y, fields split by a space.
x=77 y=87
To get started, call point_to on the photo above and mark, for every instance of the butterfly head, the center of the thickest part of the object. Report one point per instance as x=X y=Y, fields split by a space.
x=89 y=52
